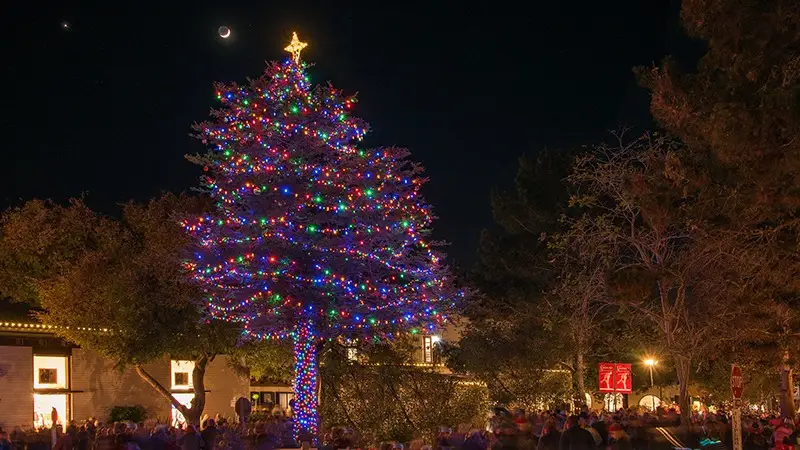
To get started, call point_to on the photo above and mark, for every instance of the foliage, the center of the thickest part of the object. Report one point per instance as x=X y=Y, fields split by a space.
x=738 y=113
x=40 y=239
x=520 y=325
x=388 y=399
x=268 y=361
x=116 y=287
x=515 y=360
x=665 y=267
x=308 y=225
x=135 y=414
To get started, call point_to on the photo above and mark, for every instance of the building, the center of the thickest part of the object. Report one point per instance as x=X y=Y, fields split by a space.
x=268 y=395
x=39 y=372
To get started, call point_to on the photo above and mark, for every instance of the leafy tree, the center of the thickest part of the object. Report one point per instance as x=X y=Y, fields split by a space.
x=738 y=113
x=664 y=268
x=519 y=330
x=116 y=287
x=38 y=240
x=271 y=362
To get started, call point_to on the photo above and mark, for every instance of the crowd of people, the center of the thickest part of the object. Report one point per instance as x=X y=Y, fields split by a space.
x=550 y=430
x=269 y=432
x=624 y=430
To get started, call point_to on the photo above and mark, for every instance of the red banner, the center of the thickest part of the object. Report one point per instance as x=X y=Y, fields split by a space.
x=605 y=376
x=615 y=377
x=623 y=378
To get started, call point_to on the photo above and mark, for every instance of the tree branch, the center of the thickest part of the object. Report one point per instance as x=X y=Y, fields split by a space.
x=149 y=379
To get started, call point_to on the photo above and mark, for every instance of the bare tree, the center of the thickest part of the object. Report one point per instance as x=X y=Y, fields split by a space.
x=665 y=265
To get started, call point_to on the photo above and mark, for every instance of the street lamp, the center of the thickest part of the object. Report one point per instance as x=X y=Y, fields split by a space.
x=650 y=363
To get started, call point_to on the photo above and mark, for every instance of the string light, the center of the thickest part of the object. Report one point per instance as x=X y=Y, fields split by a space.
x=312 y=237
x=305 y=390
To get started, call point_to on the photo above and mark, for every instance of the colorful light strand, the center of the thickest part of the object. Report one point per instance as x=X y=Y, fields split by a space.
x=305 y=380
x=312 y=238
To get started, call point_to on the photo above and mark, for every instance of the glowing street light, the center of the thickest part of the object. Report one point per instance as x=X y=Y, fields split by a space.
x=650 y=363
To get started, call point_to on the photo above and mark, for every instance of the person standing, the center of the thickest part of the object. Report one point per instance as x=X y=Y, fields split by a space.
x=191 y=440
x=210 y=434
x=5 y=443
x=550 y=436
x=65 y=442
x=575 y=437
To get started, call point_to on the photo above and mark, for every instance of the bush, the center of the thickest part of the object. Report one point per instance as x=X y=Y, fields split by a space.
x=135 y=414
x=397 y=402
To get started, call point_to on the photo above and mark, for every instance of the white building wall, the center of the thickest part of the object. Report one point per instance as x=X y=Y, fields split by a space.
x=101 y=386
x=224 y=386
x=16 y=387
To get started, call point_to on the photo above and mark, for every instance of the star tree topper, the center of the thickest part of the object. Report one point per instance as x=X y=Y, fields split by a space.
x=295 y=47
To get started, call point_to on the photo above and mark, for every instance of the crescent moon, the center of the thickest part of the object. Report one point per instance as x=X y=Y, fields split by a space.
x=226 y=33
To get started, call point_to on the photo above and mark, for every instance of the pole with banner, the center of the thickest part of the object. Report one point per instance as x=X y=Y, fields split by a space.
x=614 y=379
x=737 y=389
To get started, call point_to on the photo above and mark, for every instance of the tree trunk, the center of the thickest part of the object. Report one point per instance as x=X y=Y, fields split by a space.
x=198 y=385
x=580 y=375
x=306 y=375
x=787 y=390
x=191 y=414
x=683 y=369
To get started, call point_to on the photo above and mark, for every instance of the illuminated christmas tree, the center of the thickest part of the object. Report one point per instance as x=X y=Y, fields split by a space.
x=313 y=238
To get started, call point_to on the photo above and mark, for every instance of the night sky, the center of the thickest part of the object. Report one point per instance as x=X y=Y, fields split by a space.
x=103 y=106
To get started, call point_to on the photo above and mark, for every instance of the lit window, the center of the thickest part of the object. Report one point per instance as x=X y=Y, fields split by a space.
x=49 y=372
x=650 y=402
x=185 y=400
x=427 y=349
x=182 y=374
x=612 y=402
x=284 y=398
x=43 y=405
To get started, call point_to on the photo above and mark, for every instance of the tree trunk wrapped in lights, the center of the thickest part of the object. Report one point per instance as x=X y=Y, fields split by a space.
x=306 y=376
x=313 y=238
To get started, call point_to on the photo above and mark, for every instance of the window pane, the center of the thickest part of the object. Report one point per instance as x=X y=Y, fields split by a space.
x=427 y=349
x=43 y=405
x=185 y=400
x=185 y=367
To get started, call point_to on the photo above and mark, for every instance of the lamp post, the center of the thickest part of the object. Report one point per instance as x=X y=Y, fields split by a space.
x=650 y=363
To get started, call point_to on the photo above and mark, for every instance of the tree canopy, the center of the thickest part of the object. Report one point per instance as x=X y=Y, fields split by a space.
x=116 y=287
